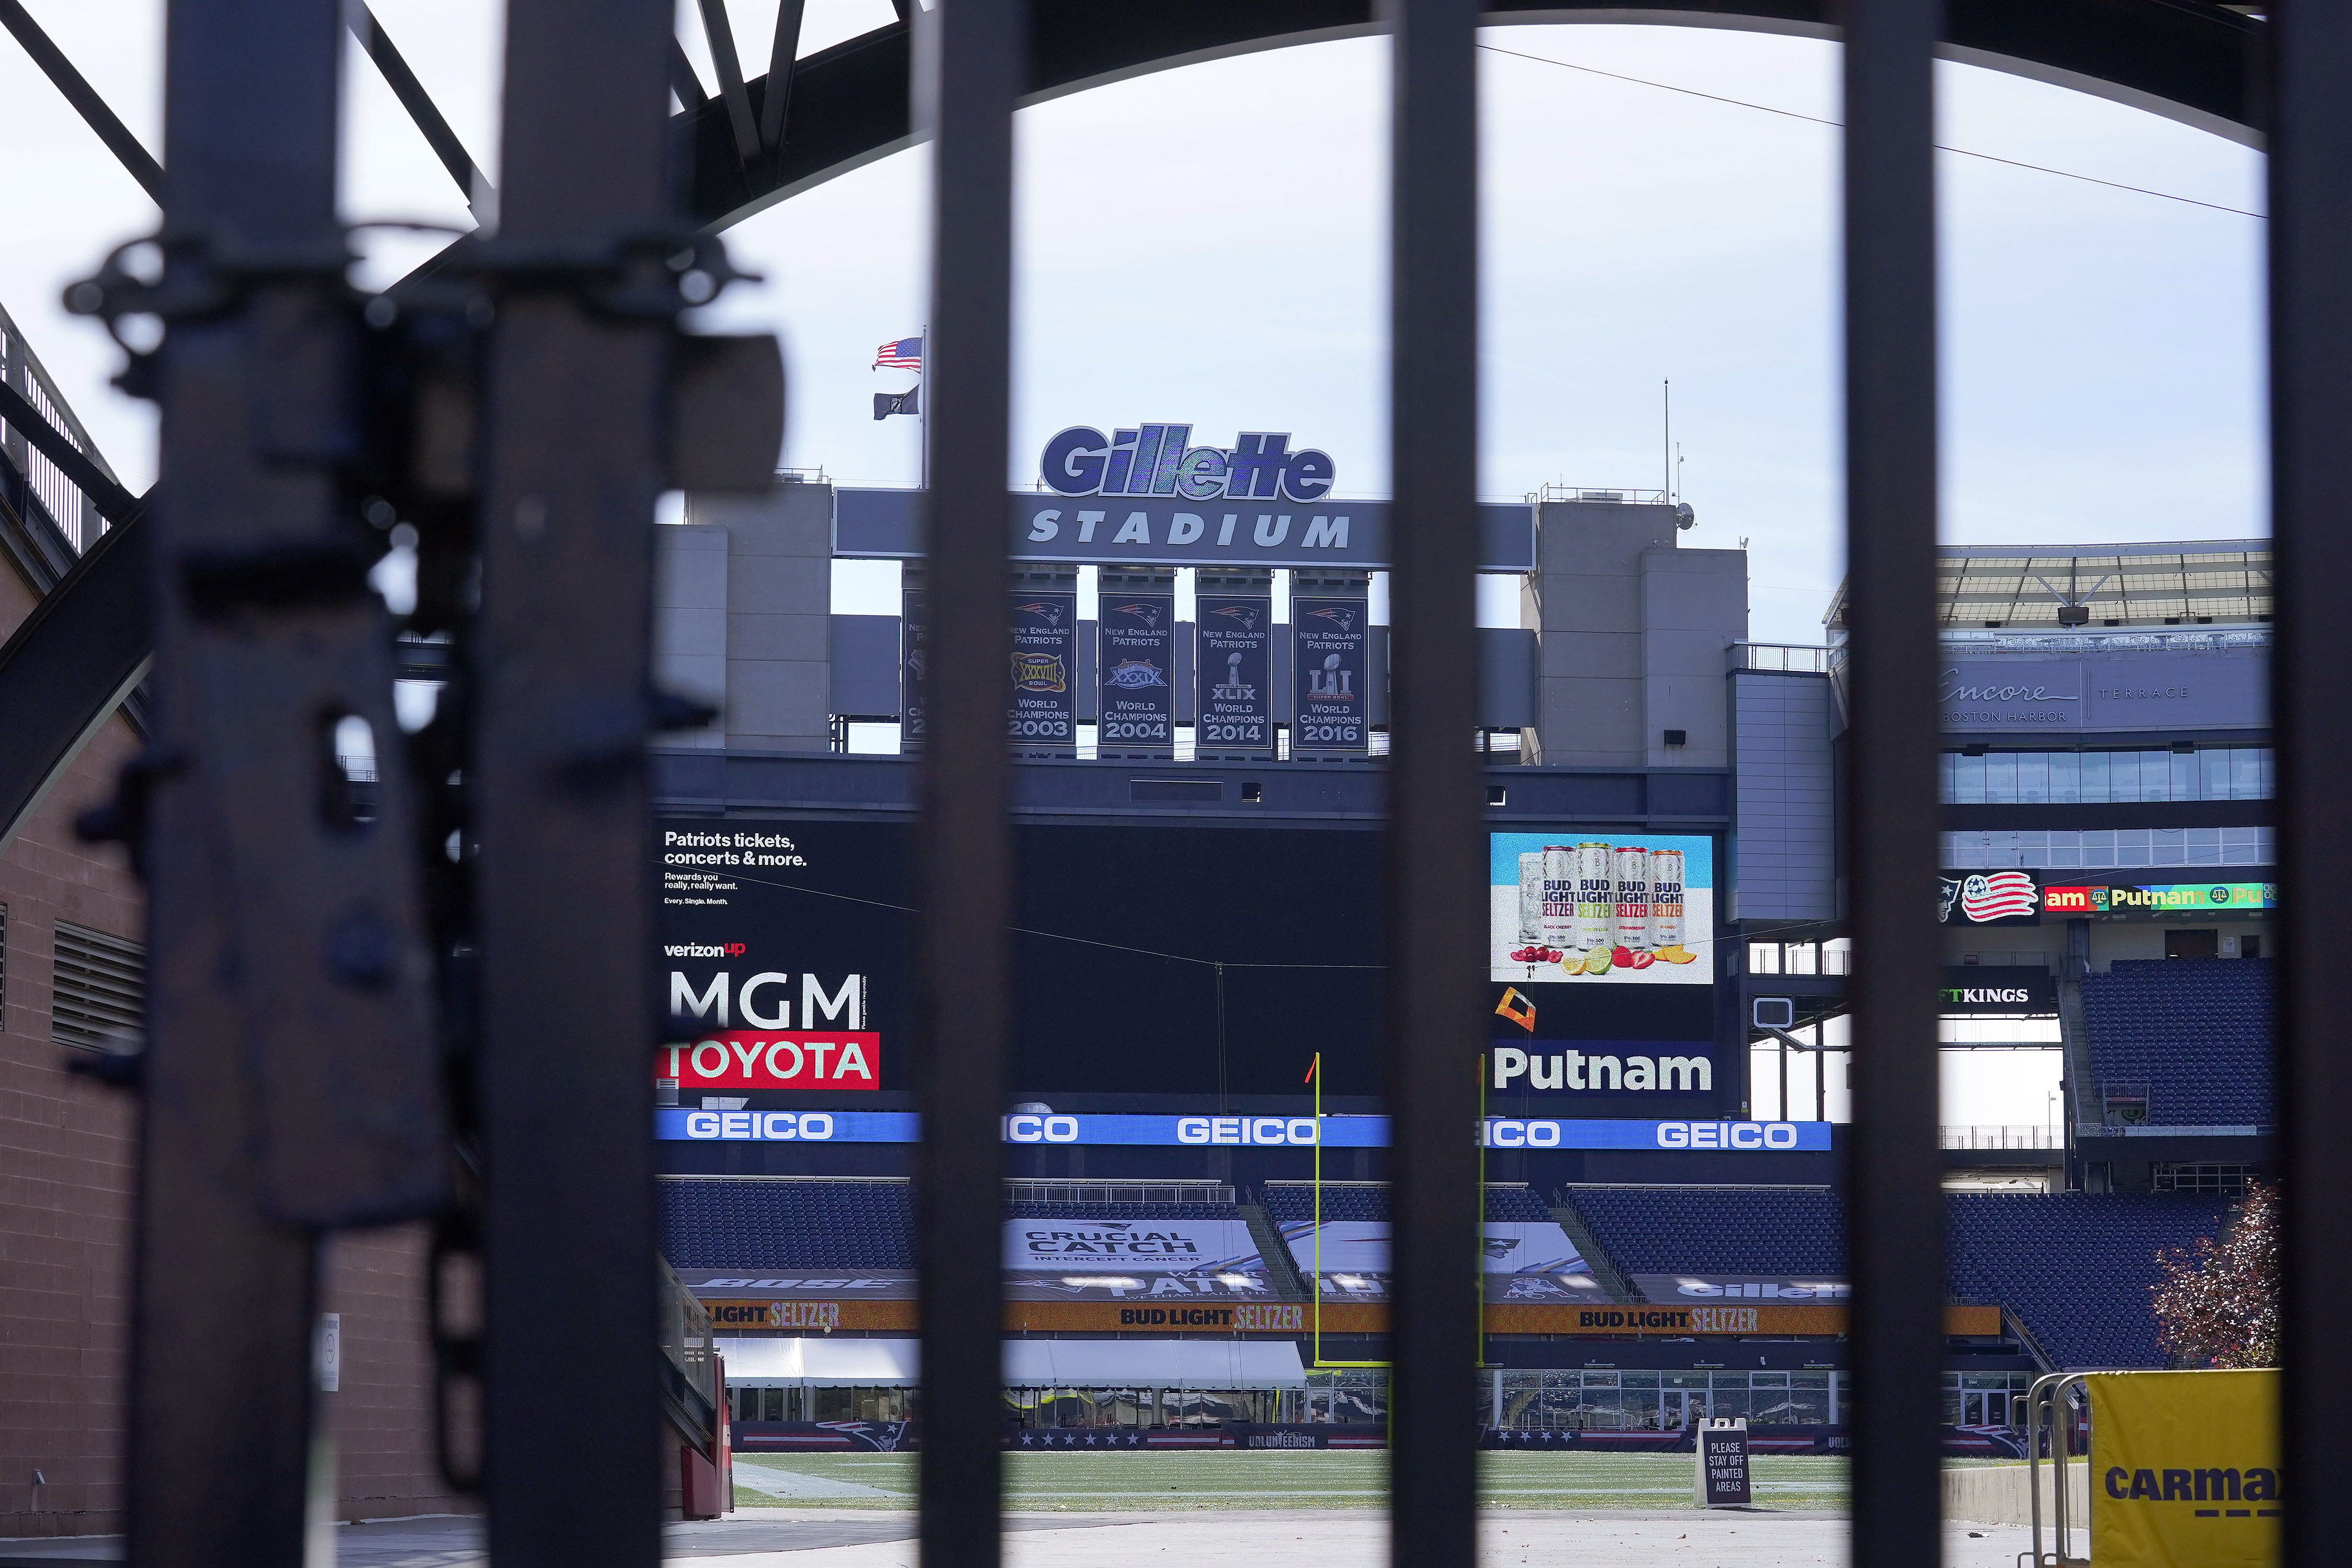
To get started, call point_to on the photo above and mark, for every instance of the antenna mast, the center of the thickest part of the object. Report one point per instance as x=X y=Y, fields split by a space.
x=1667 y=390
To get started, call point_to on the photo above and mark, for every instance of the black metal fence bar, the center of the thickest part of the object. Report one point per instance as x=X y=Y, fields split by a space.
x=2311 y=469
x=1896 y=1245
x=222 y=1300
x=576 y=396
x=1437 y=881
x=971 y=64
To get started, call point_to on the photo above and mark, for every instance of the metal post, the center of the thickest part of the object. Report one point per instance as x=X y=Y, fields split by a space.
x=1892 y=1199
x=564 y=905
x=2310 y=400
x=290 y=1084
x=219 y=1428
x=1437 y=886
x=972 y=58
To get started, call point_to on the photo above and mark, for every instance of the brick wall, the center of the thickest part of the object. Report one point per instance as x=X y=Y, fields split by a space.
x=66 y=1157
x=68 y=1163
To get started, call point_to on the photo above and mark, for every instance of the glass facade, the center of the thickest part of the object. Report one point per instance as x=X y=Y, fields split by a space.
x=2090 y=847
x=1614 y=1401
x=2102 y=778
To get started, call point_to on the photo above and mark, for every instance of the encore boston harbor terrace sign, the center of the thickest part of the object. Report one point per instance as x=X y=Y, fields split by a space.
x=1146 y=496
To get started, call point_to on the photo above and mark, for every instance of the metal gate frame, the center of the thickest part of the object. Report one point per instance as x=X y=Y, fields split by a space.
x=250 y=1157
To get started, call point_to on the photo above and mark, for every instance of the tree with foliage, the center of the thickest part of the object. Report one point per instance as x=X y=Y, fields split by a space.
x=2219 y=1303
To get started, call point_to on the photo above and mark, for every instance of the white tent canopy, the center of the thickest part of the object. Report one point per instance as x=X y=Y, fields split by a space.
x=1028 y=1363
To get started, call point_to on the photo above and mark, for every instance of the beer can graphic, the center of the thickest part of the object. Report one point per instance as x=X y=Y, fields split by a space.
x=1596 y=906
x=1531 y=895
x=1665 y=897
x=1629 y=919
x=1556 y=924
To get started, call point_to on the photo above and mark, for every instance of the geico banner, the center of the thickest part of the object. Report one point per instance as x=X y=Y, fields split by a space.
x=2184 y=1469
x=679 y=1125
x=1123 y=1247
x=743 y=1059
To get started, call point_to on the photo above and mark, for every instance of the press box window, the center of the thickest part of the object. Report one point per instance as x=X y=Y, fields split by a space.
x=100 y=990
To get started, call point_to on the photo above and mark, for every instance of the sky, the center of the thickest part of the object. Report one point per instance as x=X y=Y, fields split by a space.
x=1205 y=245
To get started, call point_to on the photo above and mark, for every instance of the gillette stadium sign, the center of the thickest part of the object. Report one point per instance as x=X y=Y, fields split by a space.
x=1148 y=495
x=1159 y=460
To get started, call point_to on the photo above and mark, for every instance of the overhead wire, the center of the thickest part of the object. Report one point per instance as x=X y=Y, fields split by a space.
x=1840 y=125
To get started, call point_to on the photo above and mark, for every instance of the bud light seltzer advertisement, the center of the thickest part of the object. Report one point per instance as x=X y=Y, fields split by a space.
x=1601 y=909
x=1136 y=654
x=1042 y=717
x=1333 y=713
x=1237 y=718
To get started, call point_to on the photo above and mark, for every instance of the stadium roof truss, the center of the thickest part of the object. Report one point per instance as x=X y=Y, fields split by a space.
x=2161 y=585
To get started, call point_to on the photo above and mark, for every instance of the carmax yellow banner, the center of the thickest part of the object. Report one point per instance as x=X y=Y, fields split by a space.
x=2184 y=1469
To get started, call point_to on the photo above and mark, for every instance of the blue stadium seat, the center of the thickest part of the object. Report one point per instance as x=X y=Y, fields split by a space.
x=755 y=1224
x=2075 y=1267
x=1023 y=1210
x=1785 y=1231
x=1294 y=1202
x=2197 y=1032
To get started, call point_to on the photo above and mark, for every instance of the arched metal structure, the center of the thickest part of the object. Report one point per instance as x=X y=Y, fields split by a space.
x=848 y=105
x=2186 y=60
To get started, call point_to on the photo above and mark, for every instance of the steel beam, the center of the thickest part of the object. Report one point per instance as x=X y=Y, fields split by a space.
x=70 y=664
x=563 y=898
x=783 y=51
x=127 y=150
x=1893 y=1197
x=720 y=34
x=2311 y=472
x=1436 y=862
x=967 y=74
x=422 y=111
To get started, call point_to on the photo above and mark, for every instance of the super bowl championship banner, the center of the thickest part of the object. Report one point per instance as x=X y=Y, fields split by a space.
x=914 y=654
x=1136 y=666
x=1042 y=705
x=1234 y=705
x=1333 y=715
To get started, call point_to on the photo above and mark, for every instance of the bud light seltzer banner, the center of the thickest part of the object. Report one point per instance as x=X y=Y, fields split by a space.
x=1590 y=907
x=1333 y=712
x=1137 y=663
x=1237 y=718
x=914 y=629
x=1042 y=715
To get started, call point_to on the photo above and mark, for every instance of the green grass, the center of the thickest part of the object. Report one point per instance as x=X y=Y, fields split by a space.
x=1207 y=1479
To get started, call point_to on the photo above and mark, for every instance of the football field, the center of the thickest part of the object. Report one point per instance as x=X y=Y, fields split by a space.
x=1315 y=1478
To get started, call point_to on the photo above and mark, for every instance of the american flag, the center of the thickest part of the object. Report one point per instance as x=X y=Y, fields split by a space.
x=906 y=353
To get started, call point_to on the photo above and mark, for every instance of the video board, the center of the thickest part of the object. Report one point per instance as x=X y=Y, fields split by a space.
x=786 y=952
